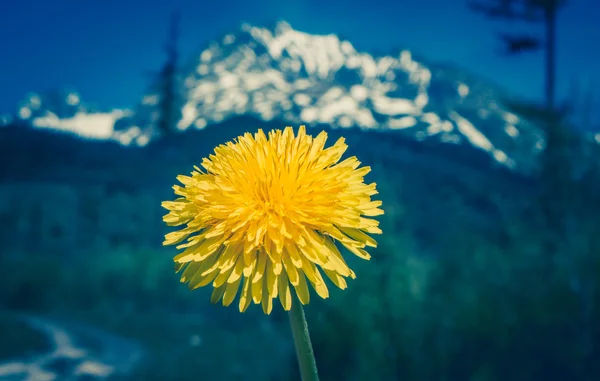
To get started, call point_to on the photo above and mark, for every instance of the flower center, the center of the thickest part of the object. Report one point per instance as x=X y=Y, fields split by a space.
x=271 y=209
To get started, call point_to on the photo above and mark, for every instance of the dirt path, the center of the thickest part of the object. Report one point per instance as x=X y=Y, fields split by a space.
x=68 y=359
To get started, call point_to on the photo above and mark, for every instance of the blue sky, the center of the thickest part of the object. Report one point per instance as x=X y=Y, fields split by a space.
x=106 y=49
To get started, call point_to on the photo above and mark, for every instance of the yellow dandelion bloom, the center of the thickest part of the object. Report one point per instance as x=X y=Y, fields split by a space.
x=264 y=216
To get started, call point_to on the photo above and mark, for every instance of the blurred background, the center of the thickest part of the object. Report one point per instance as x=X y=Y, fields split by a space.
x=480 y=120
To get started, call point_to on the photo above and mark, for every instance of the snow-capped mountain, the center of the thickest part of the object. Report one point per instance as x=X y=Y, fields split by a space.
x=284 y=74
x=63 y=110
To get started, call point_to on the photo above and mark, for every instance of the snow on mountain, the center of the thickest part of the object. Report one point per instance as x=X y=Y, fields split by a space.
x=63 y=110
x=309 y=79
x=303 y=78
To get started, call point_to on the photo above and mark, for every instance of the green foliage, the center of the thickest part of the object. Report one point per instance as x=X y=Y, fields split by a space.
x=19 y=339
x=466 y=303
x=136 y=294
x=472 y=280
x=472 y=302
x=39 y=282
x=471 y=314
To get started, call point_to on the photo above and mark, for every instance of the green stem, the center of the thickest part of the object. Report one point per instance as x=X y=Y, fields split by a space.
x=304 y=351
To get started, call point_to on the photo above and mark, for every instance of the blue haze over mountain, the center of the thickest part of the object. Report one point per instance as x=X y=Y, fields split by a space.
x=103 y=48
x=82 y=218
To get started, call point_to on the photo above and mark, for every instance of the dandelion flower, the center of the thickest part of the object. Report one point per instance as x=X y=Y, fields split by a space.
x=264 y=214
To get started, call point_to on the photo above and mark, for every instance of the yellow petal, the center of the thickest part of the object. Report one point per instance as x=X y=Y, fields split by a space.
x=245 y=296
x=291 y=270
x=222 y=278
x=217 y=293
x=285 y=296
x=336 y=278
x=302 y=289
x=260 y=268
x=267 y=301
x=359 y=236
x=271 y=280
x=262 y=213
x=257 y=292
x=231 y=290
x=190 y=269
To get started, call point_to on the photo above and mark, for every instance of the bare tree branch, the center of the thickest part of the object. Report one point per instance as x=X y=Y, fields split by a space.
x=516 y=44
x=536 y=11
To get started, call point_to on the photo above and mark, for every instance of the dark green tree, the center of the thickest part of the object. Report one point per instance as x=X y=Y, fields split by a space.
x=168 y=82
x=535 y=11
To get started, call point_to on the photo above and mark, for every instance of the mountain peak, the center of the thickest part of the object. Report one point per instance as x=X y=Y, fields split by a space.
x=309 y=79
x=63 y=110
x=280 y=73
